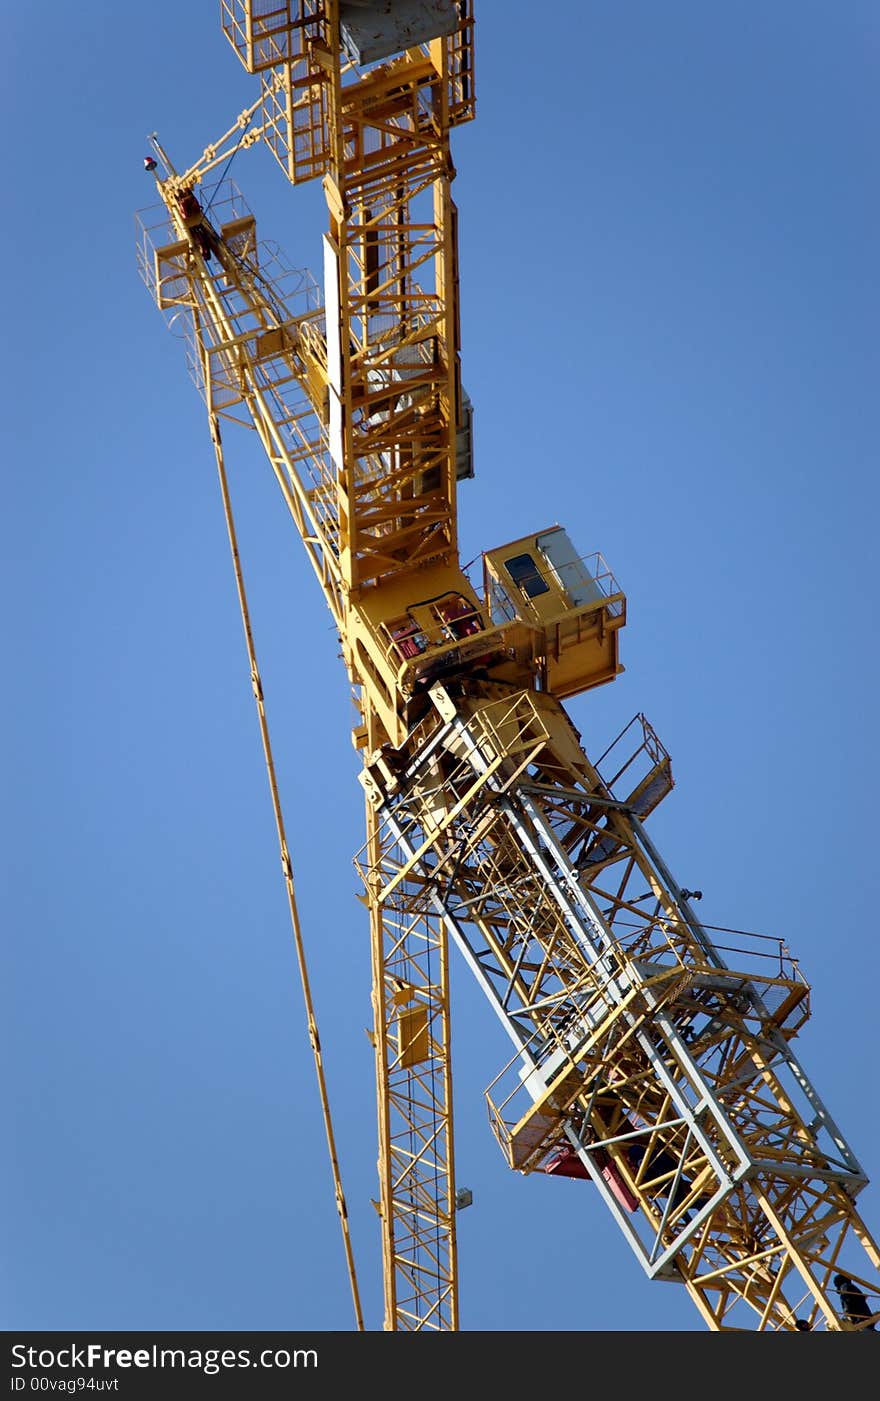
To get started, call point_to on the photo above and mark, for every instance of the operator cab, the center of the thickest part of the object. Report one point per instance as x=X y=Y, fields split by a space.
x=574 y=603
x=548 y=619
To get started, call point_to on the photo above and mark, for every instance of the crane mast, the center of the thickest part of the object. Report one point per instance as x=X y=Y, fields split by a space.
x=643 y=1058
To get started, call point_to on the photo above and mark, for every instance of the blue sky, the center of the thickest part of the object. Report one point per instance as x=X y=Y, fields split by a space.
x=668 y=234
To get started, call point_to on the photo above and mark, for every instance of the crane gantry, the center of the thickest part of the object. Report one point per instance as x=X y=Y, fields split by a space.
x=641 y=1058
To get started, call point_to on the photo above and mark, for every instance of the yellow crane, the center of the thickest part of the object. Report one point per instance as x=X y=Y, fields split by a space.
x=642 y=1058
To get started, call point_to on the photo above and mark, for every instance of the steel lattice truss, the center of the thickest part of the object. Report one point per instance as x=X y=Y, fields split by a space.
x=412 y=1037
x=669 y=1072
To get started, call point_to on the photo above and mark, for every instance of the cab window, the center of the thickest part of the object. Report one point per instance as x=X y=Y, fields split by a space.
x=524 y=572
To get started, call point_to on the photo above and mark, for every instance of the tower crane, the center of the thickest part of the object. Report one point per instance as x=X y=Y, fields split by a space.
x=643 y=1060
